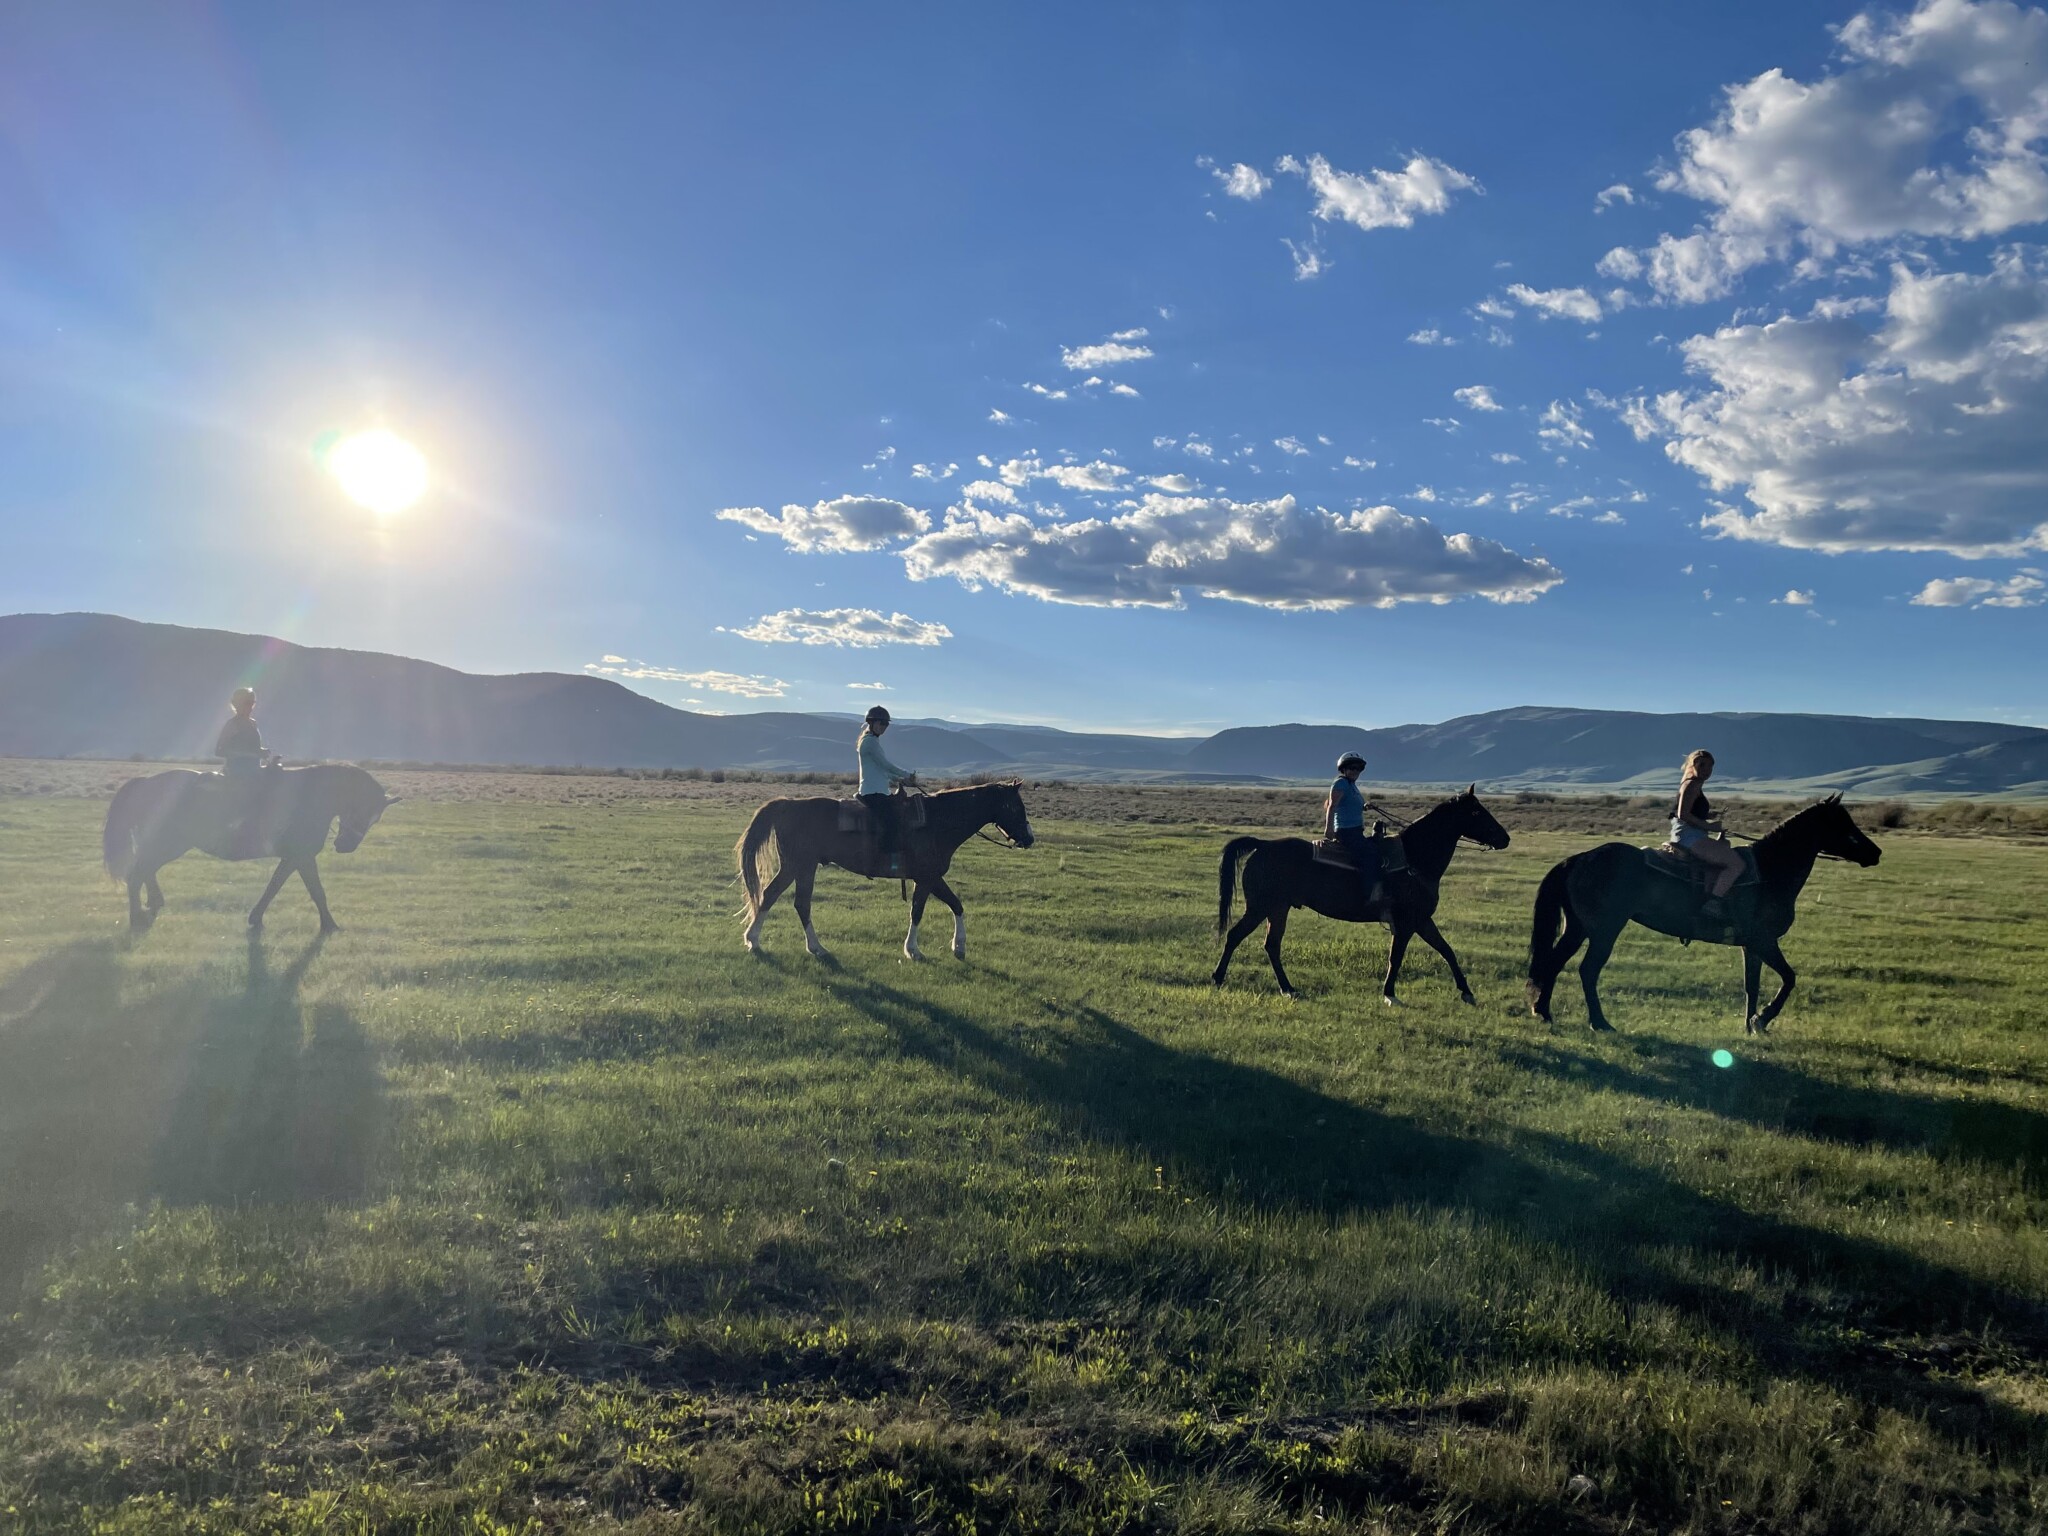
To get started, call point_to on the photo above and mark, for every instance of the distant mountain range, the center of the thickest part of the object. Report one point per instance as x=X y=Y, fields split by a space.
x=92 y=685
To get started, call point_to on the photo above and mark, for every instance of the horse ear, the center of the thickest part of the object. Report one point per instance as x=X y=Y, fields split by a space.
x=1472 y=789
x=390 y=800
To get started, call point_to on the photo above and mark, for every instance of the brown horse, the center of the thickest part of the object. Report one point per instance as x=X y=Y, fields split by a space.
x=806 y=834
x=155 y=819
x=1283 y=874
x=1601 y=891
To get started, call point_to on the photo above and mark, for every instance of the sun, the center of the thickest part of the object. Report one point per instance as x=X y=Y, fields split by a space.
x=379 y=470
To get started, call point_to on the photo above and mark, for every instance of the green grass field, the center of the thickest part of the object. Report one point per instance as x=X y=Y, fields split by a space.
x=530 y=1202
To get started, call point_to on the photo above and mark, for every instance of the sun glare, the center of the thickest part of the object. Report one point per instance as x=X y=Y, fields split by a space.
x=379 y=470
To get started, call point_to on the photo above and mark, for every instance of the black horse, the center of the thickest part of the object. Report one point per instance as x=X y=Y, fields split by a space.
x=1283 y=874
x=155 y=819
x=1601 y=891
x=806 y=833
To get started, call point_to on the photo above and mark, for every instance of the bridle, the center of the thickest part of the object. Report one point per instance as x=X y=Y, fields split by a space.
x=1004 y=841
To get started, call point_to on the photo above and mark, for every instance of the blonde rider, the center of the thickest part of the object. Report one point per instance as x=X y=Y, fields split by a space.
x=1693 y=828
x=878 y=776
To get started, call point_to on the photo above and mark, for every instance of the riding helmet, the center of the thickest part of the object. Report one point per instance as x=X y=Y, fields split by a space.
x=1350 y=760
x=877 y=716
x=242 y=696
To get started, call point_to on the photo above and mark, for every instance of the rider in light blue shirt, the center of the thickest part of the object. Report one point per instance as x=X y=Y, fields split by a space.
x=1344 y=819
x=878 y=776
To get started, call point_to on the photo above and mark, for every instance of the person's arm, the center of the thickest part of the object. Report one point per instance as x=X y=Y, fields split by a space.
x=220 y=742
x=882 y=761
x=1330 y=813
x=1688 y=795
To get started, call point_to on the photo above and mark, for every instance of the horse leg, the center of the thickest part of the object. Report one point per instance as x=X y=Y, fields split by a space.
x=1239 y=932
x=1436 y=941
x=918 y=896
x=782 y=882
x=1774 y=957
x=309 y=875
x=1276 y=930
x=1402 y=934
x=1752 y=973
x=1598 y=947
x=806 y=878
x=156 y=893
x=945 y=893
x=277 y=880
x=1554 y=963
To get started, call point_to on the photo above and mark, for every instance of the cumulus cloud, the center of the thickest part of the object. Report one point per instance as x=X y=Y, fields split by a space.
x=1380 y=199
x=1932 y=126
x=1242 y=180
x=933 y=471
x=1621 y=262
x=711 y=682
x=1123 y=389
x=1925 y=431
x=1567 y=303
x=1620 y=192
x=870 y=687
x=1291 y=445
x=1505 y=458
x=1048 y=393
x=1175 y=485
x=845 y=525
x=1275 y=554
x=1564 y=427
x=1477 y=397
x=999 y=417
x=989 y=490
x=2025 y=590
x=1122 y=347
x=1795 y=599
x=860 y=628
x=1429 y=337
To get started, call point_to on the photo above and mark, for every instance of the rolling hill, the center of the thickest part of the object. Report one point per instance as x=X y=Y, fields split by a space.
x=94 y=685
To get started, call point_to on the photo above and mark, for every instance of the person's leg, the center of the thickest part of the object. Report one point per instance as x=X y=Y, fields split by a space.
x=1359 y=846
x=1729 y=870
x=884 y=812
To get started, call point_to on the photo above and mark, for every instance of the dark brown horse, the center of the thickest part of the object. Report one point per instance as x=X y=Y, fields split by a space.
x=1601 y=891
x=1283 y=874
x=806 y=834
x=155 y=819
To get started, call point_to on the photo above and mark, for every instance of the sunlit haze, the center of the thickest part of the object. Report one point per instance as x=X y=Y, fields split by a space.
x=379 y=470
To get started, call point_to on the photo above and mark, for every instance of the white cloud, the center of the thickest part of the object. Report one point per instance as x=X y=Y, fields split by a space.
x=1123 y=389
x=989 y=490
x=1505 y=458
x=1927 y=431
x=1243 y=181
x=1620 y=192
x=617 y=661
x=1122 y=347
x=1275 y=554
x=711 y=682
x=1291 y=445
x=1563 y=426
x=1448 y=423
x=2025 y=590
x=1309 y=261
x=847 y=524
x=1931 y=126
x=1493 y=309
x=860 y=628
x=1621 y=262
x=1175 y=485
x=1477 y=397
x=1050 y=394
x=870 y=687
x=1380 y=199
x=933 y=471
x=1795 y=599
x=1430 y=337
x=999 y=417
x=1568 y=303
x=1610 y=516
x=1352 y=461
x=1165 y=442
x=1423 y=493
x=1198 y=448
x=1098 y=476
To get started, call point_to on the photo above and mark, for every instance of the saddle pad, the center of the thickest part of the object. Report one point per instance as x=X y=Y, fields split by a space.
x=853 y=816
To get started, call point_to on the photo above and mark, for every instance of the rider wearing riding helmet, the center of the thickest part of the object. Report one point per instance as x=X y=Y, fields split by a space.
x=1344 y=819
x=1693 y=827
x=878 y=776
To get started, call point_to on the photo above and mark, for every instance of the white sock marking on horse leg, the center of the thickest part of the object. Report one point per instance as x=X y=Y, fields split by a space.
x=811 y=939
x=753 y=935
x=960 y=935
x=910 y=949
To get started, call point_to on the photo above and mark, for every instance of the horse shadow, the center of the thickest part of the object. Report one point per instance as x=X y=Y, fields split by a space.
x=1772 y=1096
x=182 y=1095
x=1859 y=1319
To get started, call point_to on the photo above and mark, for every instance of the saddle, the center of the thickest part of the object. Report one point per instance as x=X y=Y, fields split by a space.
x=910 y=814
x=1393 y=858
x=1673 y=861
x=250 y=808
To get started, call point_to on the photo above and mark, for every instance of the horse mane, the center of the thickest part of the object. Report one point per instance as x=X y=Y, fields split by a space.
x=1803 y=814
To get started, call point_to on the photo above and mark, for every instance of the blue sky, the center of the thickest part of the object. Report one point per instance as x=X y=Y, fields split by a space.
x=1391 y=363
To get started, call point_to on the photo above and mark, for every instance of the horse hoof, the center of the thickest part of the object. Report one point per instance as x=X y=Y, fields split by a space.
x=959 y=951
x=1390 y=1000
x=329 y=928
x=1601 y=1027
x=1468 y=999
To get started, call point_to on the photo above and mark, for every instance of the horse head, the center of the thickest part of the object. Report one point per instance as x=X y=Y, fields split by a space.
x=1006 y=810
x=1841 y=838
x=359 y=805
x=1476 y=821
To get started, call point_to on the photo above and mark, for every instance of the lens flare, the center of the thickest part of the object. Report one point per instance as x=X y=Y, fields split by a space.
x=1723 y=1058
x=379 y=470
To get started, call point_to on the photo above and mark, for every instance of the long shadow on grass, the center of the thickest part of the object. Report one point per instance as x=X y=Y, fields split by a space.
x=1775 y=1097
x=183 y=1094
x=1255 y=1138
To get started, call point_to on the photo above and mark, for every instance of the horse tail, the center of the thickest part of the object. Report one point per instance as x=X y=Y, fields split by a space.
x=1226 y=877
x=124 y=821
x=1550 y=904
x=748 y=851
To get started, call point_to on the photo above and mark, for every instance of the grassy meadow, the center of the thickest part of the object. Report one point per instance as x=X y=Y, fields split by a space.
x=530 y=1202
